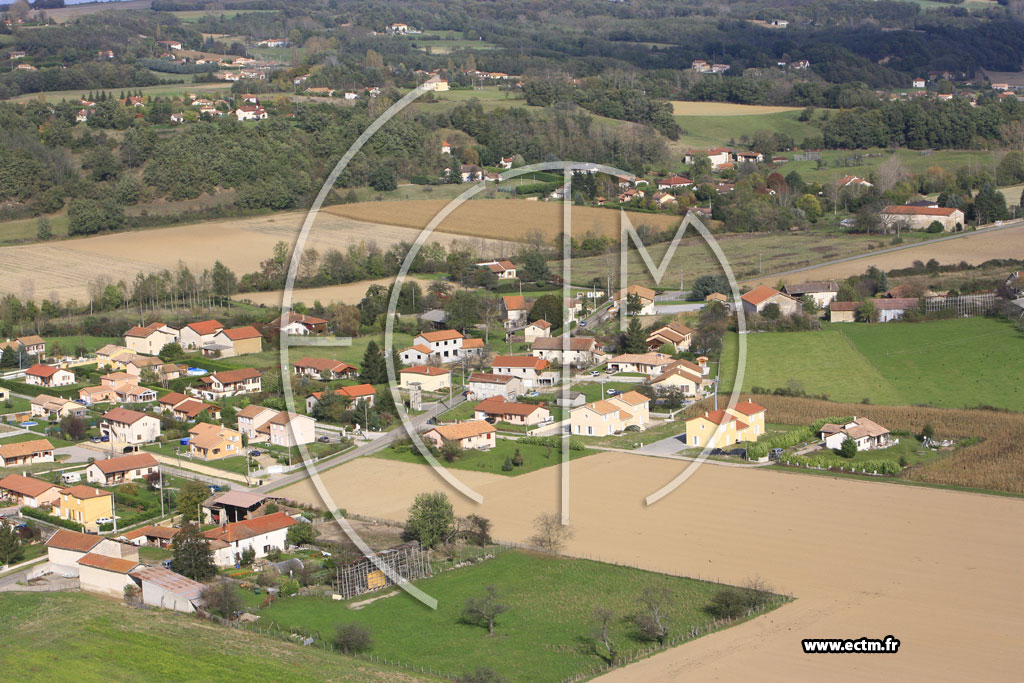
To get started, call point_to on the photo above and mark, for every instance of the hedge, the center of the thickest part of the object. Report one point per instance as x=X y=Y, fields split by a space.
x=763 y=447
x=552 y=442
x=69 y=391
x=831 y=461
x=50 y=519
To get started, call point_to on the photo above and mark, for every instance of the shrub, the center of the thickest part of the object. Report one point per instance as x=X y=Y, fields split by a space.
x=352 y=638
x=732 y=602
x=289 y=587
x=50 y=519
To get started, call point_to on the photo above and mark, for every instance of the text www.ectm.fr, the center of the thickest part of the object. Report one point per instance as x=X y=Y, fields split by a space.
x=887 y=645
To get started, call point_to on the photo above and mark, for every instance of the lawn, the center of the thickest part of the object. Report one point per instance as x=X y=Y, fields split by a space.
x=711 y=131
x=153 y=555
x=113 y=643
x=915 y=162
x=534 y=457
x=353 y=355
x=236 y=464
x=946 y=363
x=593 y=390
x=91 y=343
x=17 y=405
x=544 y=635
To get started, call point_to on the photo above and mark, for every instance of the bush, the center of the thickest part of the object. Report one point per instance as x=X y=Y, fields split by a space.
x=352 y=638
x=732 y=602
x=289 y=587
x=50 y=519
x=552 y=442
x=760 y=449
x=830 y=461
x=222 y=598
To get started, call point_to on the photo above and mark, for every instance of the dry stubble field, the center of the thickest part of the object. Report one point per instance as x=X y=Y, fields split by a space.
x=351 y=293
x=936 y=569
x=66 y=267
x=681 y=108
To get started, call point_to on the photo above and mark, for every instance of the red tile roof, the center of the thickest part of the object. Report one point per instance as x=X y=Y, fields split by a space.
x=25 y=486
x=40 y=370
x=66 y=539
x=132 y=461
x=22 y=448
x=232 y=376
x=463 y=430
x=748 y=408
x=918 y=210
x=124 y=416
x=537 y=364
x=247 y=528
x=238 y=333
x=441 y=335
x=205 y=327
x=111 y=564
x=424 y=370
x=759 y=294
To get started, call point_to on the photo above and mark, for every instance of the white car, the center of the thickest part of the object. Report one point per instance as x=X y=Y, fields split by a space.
x=594 y=373
x=613 y=392
x=105 y=520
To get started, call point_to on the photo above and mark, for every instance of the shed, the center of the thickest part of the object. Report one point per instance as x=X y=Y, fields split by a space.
x=168 y=590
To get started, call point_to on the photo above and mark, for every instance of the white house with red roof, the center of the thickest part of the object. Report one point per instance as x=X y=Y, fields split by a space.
x=251 y=112
x=921 y=217
x=357 y=394
x=504 y=269
x=261 y=534
x=49 y=376
x=760 y=297
x=675 y=182
x=228 y=383
x=429 y=378
x=195 y=335
x=532 y=372
x=318 y=368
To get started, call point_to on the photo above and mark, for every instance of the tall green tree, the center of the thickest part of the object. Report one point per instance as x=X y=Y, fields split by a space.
x=548 y=307
x=192 y=554
x=11 y=549
x=431 y=519
x=373 y=370
x=190 y=498
x=635 y=338
x=534 y=267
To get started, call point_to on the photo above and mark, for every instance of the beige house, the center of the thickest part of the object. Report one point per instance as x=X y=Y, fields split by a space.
x=536 y=329
x=500 y=410
x=49 y=376
x=290 y=429
x=515 y=309
x=533 y=372
x=211 y=442
x=318 y=368
x=26 y=452
x=843 y=311
x=646 y=295
x=149 y=339
x=920 y=217
x=583 y=351
x=86 y=505
x=677 y=334
x=867 y=434
x=681 y=375
x=236 y=341
x=822 y=293
x=650 y=363
x=111 y=471
x=252 y=418
x=129 y=426
x=113 y=356
x=28 y=491
x=611 y=416
x=473 y=434
x=359 y=393
x=229 y=383
x=198 y=334
x=484 y=385
x=722 y=428
x=427 y=376
x=505 y=270
x=760 y=297
x=55 y=407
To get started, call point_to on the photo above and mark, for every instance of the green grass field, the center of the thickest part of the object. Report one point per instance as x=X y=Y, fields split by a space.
x=913 y=160
x=711 y=131
x=91 y=343
x=543 y=637
x=353 y=355
x=534 y=457
x=112 y=642
x=947 y=363
x=153 y=90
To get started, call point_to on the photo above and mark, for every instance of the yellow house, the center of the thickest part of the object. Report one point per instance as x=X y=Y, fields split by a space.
x=85 y=505
x=427 y=376
x=236 y=341
x=211 y=442
x=607 y=417
x=682 y=375
x=472 y=434
x=113 y=357
x=723 y=428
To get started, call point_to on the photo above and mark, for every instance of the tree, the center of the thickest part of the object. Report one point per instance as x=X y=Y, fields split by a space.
x=192 y=555
x=373 y=369
x=224 y=281
x=771 y=312
x=708 y=284
x=221 y=598
x=700 y=167
x=534 y=267
x=635 y=338
x=73 y=427
x=477 y=530
x=809 y=305
x=10 y=545
x=651 y=621
x=171 y=352
x=732 y=602
x=811 y=207
x=431 y=519
x=44 y=230
x=383 y=179
x=484 y=610
x=634 y=304
x=464 y=310
x=548 y=307
x=927 y=432
x=550 y=535
x=302 y=533
x=866 y=312
x=847 y=449
x=190 y=497
x=604 y=647
x=352 y=638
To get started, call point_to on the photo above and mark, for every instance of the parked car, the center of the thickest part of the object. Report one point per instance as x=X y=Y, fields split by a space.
x=595 y=373
x=613 y=392
x=323 y=439
x=105 y=520
x=583 y=323
x=81 y=401
x=254 y=453
x=216 y=489
x=94 y=439
x=104 y=438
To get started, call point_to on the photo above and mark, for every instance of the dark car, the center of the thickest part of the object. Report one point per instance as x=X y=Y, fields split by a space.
x=740 y=452
x=717 y=451
x=323 y=439
x=254 y=453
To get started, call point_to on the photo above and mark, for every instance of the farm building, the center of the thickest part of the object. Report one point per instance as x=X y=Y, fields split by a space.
x=760 y=297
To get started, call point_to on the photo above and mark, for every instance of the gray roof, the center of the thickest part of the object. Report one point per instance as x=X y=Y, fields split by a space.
x=170 y=581
x=436 y=315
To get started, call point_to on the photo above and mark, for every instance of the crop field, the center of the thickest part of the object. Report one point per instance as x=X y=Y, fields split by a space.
x=727 y=128
x=514 y=219
x=971 y=247
x=178 y=89
x=352 y=293
x=193 y=16
x=113 y=642
x=913 y=160
x=72 y=12
x=748 y=254
x=796 y=532
x=680 y=108
x=542 y=637
x=66 y=267
x=947 y=363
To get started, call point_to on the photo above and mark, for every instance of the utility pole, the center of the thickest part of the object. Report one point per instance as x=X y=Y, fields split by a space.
x=160 y=479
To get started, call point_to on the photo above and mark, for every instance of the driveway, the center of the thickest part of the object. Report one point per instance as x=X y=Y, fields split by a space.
x=77 y=454
x=669 y=446
x=662 y=309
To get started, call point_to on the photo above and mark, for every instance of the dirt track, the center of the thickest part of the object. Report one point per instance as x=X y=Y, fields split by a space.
x=938 y=570
x=66 y=267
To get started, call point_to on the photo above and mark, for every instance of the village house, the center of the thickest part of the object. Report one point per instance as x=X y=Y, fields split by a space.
x=867 y=434
x=324 y=368
x=583 y=351
x=505 y=270
x=843 y=311
x=471 y=173
x=611 y=416
x=53 y=408
x=646 y=297
x=443 y=345
x=261 y=534
x=535 y=330
x=683 y=376
x=886 y=309
x=724 y=427
x=427 y=376
x=497 y=409
x=49 y=376
x=357 y=394
x=718 y=156
x=112 y=471
x=484 y=385
x=32 y=345
x=823 y=292
x=164 y=589
x=760 y=297
x=287 y=429
x=198 y=334
x=921 y=217
x=251 y=112
x=299 y=324
x=211 y=442
x=170 y=44
x=86 y=505
x=26 y=452
x=234 y=506
x=150 y=339
x=436 y=83
x=650 y=363
x=227 y=383
x=854 y=182
x=29 y=491
x=532 y=371
x=515 y=309
x=252 y=418
x=113 y=357
x=153 y=536
x=121 y=425
x=677 y=334
x=136 y=364
x=674 y=182
x=236 y=341
x=469 y=435
x=65 y=548
x=663 y=199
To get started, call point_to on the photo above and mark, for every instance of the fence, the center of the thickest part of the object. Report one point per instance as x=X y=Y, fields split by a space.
x=965 y=305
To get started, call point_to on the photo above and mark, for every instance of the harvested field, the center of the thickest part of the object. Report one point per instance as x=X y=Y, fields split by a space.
x=931 y=567
x=680 y=108
x=72 y=12
x=996 y=462
x=352 y=293
x=514 y=219
x=974 y=248
x=66 y=267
